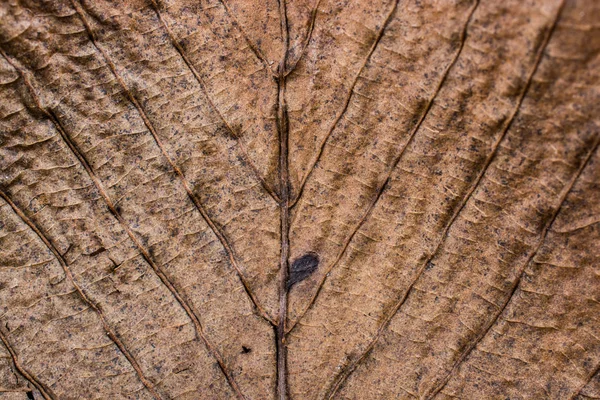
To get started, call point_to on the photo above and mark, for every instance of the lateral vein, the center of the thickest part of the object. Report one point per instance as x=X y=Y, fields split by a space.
x=521 y=271
x=216 y=230
x=191 y=67
x=352 y=367
x=26 y=374
x=393 y=166
x=63 y=263
x=346 y=104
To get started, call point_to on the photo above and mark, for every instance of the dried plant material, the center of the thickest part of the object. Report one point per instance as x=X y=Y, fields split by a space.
x=243 y=199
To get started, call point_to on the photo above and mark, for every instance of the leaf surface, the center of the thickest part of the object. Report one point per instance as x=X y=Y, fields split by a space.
x=308 y=200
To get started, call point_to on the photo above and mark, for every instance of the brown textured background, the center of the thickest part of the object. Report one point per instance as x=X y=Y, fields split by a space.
x=163 y=163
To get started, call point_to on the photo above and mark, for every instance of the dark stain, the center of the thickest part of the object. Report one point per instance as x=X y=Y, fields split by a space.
x=302 y=268
x=246 y=350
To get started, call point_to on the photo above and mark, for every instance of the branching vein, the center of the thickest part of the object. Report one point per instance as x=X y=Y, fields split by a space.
x=252 y=46
x=216 y=230
x=143 y=251
x=202 y=84
x=521 y=270
x=385 y=183
x=109 y=330
x=26 y=374
x=348 y=97
x=346 y=372
x=309 y=33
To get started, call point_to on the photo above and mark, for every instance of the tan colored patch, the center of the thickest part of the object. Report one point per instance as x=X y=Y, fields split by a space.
x=309 y=199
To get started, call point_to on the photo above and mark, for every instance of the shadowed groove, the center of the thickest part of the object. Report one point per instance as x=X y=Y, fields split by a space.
x=214 y=228
x=383 y=186
x=315 y=160
x=143 y=251
x=63 y=263
x=346 y=372
x=26 y=374
x=191 y=67
x=517 y=282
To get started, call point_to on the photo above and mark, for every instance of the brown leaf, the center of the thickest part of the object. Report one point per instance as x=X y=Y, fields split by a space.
x=308 y=199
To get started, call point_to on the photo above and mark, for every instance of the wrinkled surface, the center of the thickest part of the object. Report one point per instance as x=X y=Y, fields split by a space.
x=441 y=176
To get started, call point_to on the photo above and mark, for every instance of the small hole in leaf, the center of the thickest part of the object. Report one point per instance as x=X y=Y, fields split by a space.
x=246 y=350
x=30 y=395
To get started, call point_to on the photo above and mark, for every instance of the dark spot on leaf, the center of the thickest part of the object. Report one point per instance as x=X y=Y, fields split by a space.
x=246 y=350
x=30 y=395
x=302 y=268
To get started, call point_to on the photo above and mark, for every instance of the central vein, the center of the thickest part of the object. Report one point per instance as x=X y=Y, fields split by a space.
x=284 y=194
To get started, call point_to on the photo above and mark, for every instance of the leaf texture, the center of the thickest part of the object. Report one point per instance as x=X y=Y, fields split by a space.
x=311 y=199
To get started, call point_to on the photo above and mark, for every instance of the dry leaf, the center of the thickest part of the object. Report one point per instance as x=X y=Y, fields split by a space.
x=311 y=199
